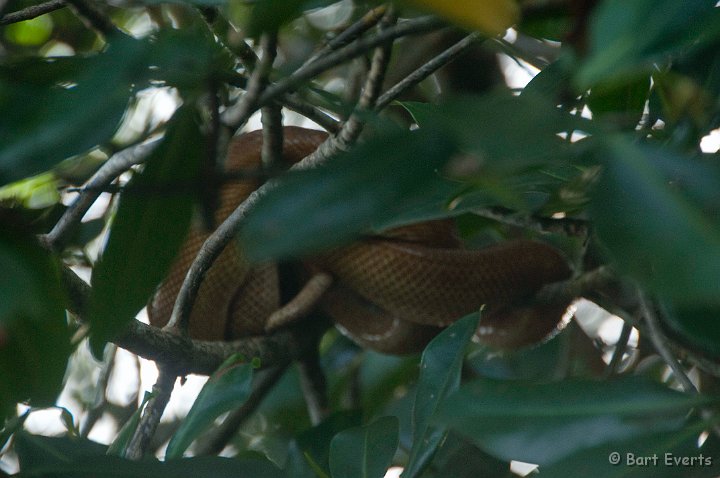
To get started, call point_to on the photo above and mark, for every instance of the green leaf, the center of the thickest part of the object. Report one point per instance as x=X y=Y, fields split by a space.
x=315 y=209
x=654 y=213
x=622 y=103
x=227 y=389
x=151 y=222
x=33 y=32
x=61 y=456
x=618 y=50
x=549 y=22
x=552 y=81
x=64 y=106
x=422 y=113
x=34 y=335
x=37 y=452
x=653 y=456
x=315 y=442
x=459 y=458
x=440 y=368
x=508 y=134
x=544 y=423
x=364 y=452
x=270 y=15
x=52 y=122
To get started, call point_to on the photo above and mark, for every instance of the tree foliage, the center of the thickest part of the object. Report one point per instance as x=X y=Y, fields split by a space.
x=606 y=153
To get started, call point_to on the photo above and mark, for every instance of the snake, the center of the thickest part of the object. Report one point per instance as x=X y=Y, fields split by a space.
x=392 y=292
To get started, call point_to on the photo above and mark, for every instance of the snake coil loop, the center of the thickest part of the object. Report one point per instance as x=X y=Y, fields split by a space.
x=392 y=292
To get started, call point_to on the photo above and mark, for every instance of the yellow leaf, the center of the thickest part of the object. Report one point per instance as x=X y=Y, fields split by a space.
x=491 y=17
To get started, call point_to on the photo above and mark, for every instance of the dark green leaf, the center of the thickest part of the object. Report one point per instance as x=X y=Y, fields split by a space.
x=507 y=134
x=188 y=58
x=382 y=376
x=552 y=81
x=364 y=452
x=319 y=208
x=62 y=107
x=549 y=21
x=653 y=456
x=52 y=120
x=618 y=48
x=34 y=336
x=76 y=457
x=37 y=452
x=50 y=124
x=149 y=227
x=422 y=113
x=544 y=423
x=228 y=388
x=315 y=442
x=270 y=15
x=654 y=212
x=459 y=458
x=622 y=103
x=440 y=369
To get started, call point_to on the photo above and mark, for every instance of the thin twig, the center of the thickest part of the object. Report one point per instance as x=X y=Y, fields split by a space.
x=237 y=46
x=264 y=383
x=272 y=144
x=426 y=70
x=180 y=316
x=32 y=11
x=566 y=226
x=137 y=447
x=350 y=132
x=658 y=339
x=354 y=31
x=271 y=114
x=590 y=282
x=208 y=172
x=113 y=167
x=238 y=115
x=311 y=112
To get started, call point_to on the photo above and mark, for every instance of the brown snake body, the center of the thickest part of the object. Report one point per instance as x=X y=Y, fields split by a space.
x=391 y=292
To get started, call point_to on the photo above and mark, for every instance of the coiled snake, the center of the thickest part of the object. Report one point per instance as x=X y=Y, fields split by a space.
x=391 y=292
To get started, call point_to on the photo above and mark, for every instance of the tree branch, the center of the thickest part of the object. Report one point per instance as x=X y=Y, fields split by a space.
x=426 y=70
x=197 y=356
x=658 y=339
x=32 y=11
x=293 y=102
x=237 y=116
x=351 y=33
x=113 y=167
x=137 y=447
x=350 y=132
x=270 y=114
